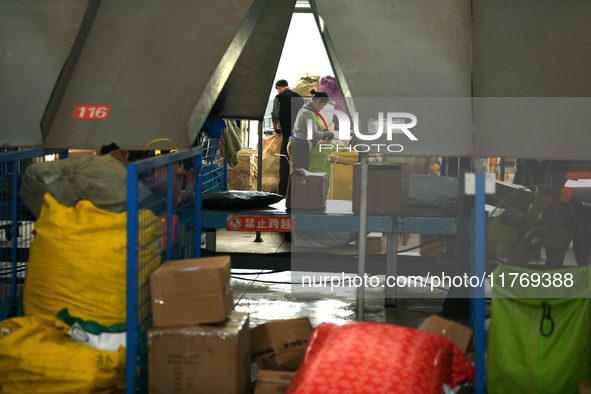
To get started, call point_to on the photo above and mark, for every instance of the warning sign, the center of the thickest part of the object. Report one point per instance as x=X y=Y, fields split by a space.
x=259 y=223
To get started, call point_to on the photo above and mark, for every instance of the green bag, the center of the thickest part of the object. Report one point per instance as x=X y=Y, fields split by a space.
x=538 y=345
x=318 y=158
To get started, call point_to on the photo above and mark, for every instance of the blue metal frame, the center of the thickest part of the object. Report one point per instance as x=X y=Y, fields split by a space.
x=346 y=221
x=477 y=256
x=10 y=163
x=14 y=208
x=197 y=208
x=131 y=317
x=168 y=211
x=225 y=176
x=134 y=170
x=215 y=176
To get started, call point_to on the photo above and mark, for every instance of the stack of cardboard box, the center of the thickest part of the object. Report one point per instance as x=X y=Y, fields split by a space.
x=197 y=344
x=272 y=382
x=277 y=349
x=239 y=177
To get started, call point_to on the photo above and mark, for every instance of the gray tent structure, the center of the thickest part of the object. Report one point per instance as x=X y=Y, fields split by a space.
x=524 y=65
x=150 y=70
x=515 y=75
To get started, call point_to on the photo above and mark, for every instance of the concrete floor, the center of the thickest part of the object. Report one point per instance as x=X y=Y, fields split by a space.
x=275 y=300
x=272 y=301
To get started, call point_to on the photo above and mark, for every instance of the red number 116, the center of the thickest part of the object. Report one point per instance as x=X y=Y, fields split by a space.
x=90 y=112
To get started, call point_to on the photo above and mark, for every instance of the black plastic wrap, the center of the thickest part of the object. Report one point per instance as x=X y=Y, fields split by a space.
x=239 y=200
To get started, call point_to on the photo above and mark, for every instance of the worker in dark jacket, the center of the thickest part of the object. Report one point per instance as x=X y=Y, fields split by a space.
x=285 y=108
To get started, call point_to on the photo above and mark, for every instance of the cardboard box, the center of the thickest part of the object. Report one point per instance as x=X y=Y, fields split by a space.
x=270 y=176
x=375 y=243
x=387 y=188
x=207 y=359
x=239 y=176
x=272 y=382
x=457 y=333
x=435 y=247
x=308 y=189
x=189 y=292
x=280 y=345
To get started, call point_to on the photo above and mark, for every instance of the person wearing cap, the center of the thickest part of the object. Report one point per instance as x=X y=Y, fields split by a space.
x=285 y=108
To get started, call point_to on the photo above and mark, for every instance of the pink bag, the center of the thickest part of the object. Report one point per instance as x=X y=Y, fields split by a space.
x=329 y=85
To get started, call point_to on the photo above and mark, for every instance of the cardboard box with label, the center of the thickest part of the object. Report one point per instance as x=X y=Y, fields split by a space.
x=189 y=292
x=387 y=188
x=455 y=332
x=308 y=189
x=280 y=345
x=272 y=382
x=239 y=176
x=207 y=359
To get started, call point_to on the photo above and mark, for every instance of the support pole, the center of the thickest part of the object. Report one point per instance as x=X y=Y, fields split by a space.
x=362 y=237
x=391 y=265
x=260 y=170
x=477 y=268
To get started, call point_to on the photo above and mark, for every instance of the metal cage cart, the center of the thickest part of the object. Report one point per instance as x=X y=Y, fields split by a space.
x=16 y=222
x=163 y=222
x=215 y=169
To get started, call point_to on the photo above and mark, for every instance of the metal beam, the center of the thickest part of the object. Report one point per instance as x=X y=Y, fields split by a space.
x=35 y=39
x=158 y=65
x=411 y=56
x=403 y=48
x=246 y=92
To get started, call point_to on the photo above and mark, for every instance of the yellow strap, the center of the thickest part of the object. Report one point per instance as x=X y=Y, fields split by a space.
x=160 y=140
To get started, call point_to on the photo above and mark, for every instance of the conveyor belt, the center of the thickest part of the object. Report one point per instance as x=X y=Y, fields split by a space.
x=338 y=216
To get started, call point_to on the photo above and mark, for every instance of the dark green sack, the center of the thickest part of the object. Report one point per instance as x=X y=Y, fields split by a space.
x=304 y=84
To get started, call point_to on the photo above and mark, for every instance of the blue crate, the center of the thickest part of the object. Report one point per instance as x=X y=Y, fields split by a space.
x=168 y=187
x=16 y=225
x=154 y=185
x=215 y=168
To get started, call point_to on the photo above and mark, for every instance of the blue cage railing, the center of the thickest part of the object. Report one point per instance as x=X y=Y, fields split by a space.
x=163 y=223
x=477 y=260
x=16 y=224
x=215 y=168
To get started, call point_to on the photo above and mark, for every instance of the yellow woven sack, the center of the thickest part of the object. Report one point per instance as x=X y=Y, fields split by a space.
x=78 y=261
x=341 y=183
x=37 y=356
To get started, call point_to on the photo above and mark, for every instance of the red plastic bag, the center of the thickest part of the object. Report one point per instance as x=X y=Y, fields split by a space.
x=364 y=357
